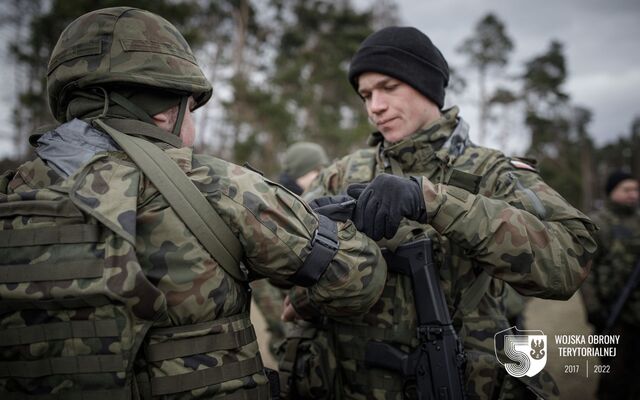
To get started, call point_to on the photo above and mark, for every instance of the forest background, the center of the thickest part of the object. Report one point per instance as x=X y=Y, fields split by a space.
x=278 y=68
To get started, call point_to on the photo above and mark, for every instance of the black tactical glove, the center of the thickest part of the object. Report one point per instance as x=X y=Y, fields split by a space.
x=384 y=202
x=337 y=208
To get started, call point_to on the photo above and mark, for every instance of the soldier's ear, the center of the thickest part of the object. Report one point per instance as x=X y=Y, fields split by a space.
x=161 y=118
x=166 y=119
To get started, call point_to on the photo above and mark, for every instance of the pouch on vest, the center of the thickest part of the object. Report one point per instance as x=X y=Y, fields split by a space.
x=307 y=362
x=74 y=302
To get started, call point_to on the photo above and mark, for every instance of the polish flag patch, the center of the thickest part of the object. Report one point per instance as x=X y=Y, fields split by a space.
x=522 y=165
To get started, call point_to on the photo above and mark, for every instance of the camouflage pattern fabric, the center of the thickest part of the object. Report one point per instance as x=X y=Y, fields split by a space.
x=516 y=228
x=309 y=373
x=169 y=283
x=618 y=250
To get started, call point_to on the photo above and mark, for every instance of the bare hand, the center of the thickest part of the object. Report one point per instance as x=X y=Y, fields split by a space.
x=289 y=313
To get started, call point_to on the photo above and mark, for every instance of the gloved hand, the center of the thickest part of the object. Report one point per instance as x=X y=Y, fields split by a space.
x=384 y=202
x=337 y=208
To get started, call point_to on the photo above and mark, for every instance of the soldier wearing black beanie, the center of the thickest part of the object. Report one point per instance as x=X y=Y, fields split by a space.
x=422 y=176
x=406 y=54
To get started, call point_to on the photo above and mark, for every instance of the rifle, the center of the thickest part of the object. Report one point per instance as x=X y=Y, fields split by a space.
x=436 y=366
x=631 y=284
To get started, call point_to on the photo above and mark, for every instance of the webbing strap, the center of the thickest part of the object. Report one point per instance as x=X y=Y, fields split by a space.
x=324 y=247
x=182 y=108
x=82 y=269
x=471 y=298
x=106 y=394
x=66 y=234
x=216 y=326
x=205 y=377
x=257 y=393
x=54 y=208
x=63 y=365
x=291 y=353
x=129 y=106
x=200 y=345
x=97 y=300
x=185 y=199
x=59 y=331
x=286 y=367
x=139 y=128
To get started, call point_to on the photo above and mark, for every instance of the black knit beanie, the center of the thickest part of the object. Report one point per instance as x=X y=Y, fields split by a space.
x=614 y=179
x=406 y=54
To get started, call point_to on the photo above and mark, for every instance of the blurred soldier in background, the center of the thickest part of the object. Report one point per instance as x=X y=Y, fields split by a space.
x=611 y=293
x=302 y=163
x=493 y=221
x=121 y=269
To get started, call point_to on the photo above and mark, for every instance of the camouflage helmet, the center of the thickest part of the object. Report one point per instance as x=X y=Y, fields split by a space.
x=122 y=46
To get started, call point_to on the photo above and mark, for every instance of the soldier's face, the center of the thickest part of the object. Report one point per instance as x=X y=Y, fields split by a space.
x=394 y=107
x=626 y=192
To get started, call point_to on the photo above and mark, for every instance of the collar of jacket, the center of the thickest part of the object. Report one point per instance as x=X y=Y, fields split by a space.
x=621 y=209
x=443 y=138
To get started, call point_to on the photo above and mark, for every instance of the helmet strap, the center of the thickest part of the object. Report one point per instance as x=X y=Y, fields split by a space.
x=132 y=108
x=105 y=108
x=181 y=112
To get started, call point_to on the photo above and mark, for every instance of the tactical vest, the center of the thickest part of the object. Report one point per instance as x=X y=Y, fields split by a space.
x=77 y=313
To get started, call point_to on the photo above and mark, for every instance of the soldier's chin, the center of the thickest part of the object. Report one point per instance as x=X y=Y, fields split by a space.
x=392 y=135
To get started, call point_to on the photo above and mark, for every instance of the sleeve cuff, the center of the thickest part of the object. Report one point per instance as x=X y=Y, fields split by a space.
x=302 y=303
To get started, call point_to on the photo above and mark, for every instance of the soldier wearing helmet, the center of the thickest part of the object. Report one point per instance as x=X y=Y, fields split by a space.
x=107 y=289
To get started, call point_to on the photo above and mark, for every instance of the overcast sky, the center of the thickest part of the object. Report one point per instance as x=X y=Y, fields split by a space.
x=600 y=37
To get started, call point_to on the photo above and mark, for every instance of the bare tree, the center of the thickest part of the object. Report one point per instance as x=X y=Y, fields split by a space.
x=487 y=48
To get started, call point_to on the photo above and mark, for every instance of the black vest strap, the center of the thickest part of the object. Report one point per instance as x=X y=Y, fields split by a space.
x=325 y=245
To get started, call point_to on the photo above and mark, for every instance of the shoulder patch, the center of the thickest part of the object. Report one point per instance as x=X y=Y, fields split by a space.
x=519 y=164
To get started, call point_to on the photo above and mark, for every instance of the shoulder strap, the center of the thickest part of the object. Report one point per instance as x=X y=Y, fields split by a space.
x=185 y=199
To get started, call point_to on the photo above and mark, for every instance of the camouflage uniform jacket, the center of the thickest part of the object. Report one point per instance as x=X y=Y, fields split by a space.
x=516 y=228
x=618 y=250
x=187 y=286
